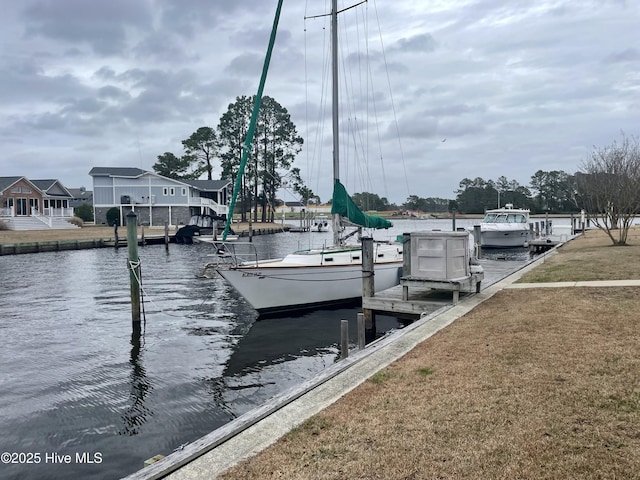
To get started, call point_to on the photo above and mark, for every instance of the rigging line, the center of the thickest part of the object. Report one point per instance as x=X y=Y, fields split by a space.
x=393 y=106
x=306 y=84
x=339 y=11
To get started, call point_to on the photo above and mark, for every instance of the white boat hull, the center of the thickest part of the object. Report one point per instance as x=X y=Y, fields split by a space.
x=311 y=278
x=270 y=290
x=504 y=238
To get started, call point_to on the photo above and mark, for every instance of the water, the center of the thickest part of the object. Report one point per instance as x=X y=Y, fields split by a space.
x=74 y=380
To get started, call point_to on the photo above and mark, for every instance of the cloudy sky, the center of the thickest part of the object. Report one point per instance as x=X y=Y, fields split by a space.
x=462 y=88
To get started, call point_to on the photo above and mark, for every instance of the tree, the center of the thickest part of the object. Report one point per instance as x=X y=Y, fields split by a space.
x=370 y=201
x=232 y=131
x=554 y=191
x=170 y=166
x=279 y=144
x=201 y=148
x=609 y=187
x=275 y=145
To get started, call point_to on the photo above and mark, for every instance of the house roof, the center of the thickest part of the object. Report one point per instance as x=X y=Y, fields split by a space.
x=6 y=182
x=207 y=185
x=117 y=172
x=80 y=193
x=40 y=185
x=46 y=185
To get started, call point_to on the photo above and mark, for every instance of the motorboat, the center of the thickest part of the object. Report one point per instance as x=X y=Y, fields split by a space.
x=320 y=223
x=505 y=227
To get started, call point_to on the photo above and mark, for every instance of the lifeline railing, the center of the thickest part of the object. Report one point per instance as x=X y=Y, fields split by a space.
x=231 y=254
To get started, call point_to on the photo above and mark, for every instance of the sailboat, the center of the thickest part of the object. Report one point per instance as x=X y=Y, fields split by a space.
x=317 y=276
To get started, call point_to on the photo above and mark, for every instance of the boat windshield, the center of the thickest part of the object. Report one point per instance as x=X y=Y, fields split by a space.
x=504 y=218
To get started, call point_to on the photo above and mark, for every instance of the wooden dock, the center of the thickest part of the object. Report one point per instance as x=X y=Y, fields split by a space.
x=423 y=299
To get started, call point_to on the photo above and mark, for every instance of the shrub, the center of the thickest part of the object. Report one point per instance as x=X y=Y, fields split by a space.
x=76 y=221
x=85 y=212
x=113 y=217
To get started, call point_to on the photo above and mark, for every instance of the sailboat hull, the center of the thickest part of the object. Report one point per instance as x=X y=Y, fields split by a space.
x=271 y=290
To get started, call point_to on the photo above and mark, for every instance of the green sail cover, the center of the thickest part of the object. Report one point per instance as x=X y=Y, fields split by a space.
x=343 y=205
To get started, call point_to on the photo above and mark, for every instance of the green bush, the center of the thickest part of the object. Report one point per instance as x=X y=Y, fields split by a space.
x=85 y=212
x=113 y=217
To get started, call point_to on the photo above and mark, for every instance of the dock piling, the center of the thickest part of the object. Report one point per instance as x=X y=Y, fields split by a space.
x=344 y=338
x=134 y=267
x=477 y=235
x=361 y=332
x=368 y=285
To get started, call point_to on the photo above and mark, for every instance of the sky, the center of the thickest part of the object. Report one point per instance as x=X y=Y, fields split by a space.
x=460 y=88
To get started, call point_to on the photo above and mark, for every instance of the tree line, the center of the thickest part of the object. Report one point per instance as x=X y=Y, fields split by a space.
x=607 y=186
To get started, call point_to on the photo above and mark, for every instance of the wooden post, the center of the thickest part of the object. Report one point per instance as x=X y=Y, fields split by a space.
x=344 y=338
x=406 y=254
x=361 y=332
x=115 y=234
x=546 y=224
x=134 y=267
x=531 y=234
x=166 y=236
x=537 y=229
x=477 y=235
x=368 y=285
x=573 y=225
x=142 y=234
x=453 y=218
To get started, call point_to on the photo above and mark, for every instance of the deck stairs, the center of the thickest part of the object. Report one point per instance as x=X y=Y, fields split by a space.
x=33 y=223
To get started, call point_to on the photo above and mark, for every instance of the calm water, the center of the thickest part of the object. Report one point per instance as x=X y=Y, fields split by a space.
x=73 y=379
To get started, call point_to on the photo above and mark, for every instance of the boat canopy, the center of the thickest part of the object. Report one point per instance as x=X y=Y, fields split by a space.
x=344 y=205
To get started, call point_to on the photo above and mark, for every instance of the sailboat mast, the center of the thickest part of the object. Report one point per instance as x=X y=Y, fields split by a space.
x=337 y=224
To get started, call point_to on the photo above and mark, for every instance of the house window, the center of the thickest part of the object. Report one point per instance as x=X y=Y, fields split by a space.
x=15 y=190
x=165 y=191
x=172 y=191
x=26 y=190
x=184 y=191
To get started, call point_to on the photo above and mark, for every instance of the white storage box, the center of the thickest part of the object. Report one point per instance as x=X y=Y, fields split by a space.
x=439 y=255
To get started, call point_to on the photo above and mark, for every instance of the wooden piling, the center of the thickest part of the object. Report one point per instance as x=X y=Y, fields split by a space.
x=344 y=338
x=368 y=285
x=166 y=236
x=477 y=235
x=361 y=332
x=453 y=219
x=406 y=254
x=115 y=234
x=134 y=267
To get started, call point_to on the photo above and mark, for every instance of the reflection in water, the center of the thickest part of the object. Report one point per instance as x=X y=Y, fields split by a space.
x=137 y=413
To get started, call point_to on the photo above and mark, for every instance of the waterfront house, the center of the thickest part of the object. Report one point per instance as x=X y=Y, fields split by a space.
x=155 y=199
x=80 y=196
x=34 y=204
